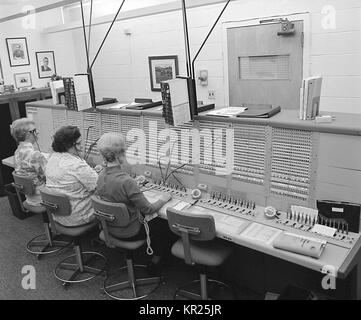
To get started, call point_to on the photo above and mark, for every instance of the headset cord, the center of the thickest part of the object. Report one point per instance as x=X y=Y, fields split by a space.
x=147 y=231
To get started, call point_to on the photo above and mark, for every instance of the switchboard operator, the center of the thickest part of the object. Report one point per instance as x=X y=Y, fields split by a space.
x=115 y=185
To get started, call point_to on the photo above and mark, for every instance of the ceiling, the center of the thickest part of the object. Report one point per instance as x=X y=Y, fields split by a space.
x=11 y=7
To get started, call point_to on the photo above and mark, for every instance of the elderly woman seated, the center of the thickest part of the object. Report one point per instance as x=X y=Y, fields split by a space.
x=67 y=173
x=28 y=161
x=114 y=185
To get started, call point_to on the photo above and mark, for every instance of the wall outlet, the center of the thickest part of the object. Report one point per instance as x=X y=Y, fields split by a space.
x=211 y=94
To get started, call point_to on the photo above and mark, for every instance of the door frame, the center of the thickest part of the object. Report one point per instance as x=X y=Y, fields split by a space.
x=305 y=17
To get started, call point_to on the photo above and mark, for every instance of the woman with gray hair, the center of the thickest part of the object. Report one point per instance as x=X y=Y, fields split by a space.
x=28 y=161
x=117 y=186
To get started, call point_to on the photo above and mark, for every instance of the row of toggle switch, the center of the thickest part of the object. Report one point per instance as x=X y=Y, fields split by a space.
x=219 y=196
x=303 y=218
x=238 y=206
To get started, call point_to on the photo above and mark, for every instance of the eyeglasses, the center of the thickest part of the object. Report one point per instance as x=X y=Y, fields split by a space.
x=34 y=131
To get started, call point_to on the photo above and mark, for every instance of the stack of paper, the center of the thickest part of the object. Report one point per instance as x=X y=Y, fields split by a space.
x=227 y=112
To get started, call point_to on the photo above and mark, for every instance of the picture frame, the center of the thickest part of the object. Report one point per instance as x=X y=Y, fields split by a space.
x=18 y=51
x=23 y=80
x=162 y=68
x=1 y=73
x=45 y=61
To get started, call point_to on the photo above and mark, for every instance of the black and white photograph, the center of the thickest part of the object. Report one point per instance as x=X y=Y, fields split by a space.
x=162 y=68
x=187 y=155
x=23 y=80
x=45 y=61
x=17 y=51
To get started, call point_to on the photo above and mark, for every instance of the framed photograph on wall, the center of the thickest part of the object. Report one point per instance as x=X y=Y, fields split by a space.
x=162 y=68
x=17 y=51
x=46 y=64
x=1 y=73
x=22 y=80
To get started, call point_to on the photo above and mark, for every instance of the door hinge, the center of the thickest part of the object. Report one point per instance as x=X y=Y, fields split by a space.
x=302 y=39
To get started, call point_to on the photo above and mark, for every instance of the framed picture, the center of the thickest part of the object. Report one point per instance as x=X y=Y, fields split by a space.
x=162 y=68
x=22 y=80
x=46 y=63
x=17 y=51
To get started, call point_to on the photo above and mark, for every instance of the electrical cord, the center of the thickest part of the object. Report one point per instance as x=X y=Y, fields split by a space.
x=86 y=139
x=90 y=149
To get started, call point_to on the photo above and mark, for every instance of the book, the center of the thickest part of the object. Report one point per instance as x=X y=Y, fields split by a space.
x=307 y=246
x=310 y=93
x=227 y=112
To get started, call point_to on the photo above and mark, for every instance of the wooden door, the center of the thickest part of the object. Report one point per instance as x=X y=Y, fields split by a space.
x=264 y=67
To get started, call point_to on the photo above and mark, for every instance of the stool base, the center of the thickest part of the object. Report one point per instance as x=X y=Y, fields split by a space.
x=133 y=284
x=41 y=245
x=79 y=267
x=203 y=286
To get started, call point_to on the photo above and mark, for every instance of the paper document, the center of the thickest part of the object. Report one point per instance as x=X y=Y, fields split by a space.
x=227 y=112
x=152 y=196
x=181 y=205
x=260 y=232
x=324 y=230
x=231 y=225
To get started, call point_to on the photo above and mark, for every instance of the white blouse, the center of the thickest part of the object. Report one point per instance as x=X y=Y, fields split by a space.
x=68 y=174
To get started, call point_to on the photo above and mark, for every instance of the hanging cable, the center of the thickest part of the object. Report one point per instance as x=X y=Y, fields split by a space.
x=147 y=231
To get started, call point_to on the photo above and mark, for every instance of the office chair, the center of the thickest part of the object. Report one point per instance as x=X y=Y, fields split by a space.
x=199 y=247
x=81 y=266
x=115 y=215
x=42 y=244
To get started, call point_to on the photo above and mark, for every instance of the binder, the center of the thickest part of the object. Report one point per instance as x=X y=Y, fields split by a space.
x=260 y=111
x=310 y=98
x=141 y=104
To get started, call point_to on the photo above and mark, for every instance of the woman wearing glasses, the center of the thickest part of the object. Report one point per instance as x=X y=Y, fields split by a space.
x=66 y=172
x=28 y=161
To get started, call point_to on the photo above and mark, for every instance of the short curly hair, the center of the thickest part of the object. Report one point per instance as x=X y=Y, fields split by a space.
x=111 y=145
x=65 y=138
x=19 y=129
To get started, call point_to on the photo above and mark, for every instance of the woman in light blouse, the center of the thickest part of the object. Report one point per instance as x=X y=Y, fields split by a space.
x=67 y=173
x=28 y=161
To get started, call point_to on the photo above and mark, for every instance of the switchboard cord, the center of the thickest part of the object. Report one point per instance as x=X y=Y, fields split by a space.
x=147 y=231
x=184 y=164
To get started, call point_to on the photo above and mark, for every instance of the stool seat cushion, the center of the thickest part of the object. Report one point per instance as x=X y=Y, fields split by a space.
x=75 y=231
x=34 y=209
x=209 y=253
x=123 y=243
